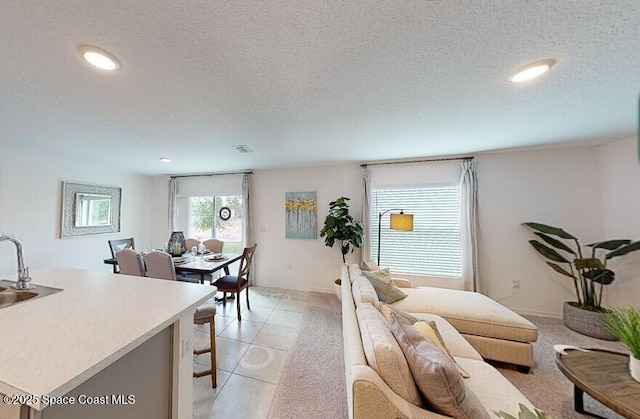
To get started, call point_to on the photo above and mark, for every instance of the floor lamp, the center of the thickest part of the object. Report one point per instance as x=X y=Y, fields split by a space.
x=402 y=221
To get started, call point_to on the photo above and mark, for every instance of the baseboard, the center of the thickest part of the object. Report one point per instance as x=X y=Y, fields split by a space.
x=289 y=286
x=525 y=312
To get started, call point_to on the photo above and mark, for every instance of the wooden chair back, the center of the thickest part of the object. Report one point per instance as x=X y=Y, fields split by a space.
x=117 y=245
x=245 y=264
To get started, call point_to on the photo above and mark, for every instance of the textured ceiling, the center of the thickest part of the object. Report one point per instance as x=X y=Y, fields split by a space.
x=312 y=82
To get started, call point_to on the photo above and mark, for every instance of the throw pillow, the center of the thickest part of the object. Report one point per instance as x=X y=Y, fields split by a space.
x=387 y=291
x=386 y=310
x=435 y=375
x=384 y=355
x=430 y=331
x=370 y=266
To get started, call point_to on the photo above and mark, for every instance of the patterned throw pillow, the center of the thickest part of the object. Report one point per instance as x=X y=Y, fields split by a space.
x=387 y=291
x=430 y=331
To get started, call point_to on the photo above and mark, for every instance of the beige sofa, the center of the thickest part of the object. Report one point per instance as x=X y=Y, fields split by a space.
x=495 y=331
x=370 y=396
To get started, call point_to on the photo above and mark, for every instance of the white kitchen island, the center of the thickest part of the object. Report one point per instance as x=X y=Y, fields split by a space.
x=105 y=346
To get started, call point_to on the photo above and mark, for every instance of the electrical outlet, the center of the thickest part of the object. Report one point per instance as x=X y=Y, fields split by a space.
x=515 y=283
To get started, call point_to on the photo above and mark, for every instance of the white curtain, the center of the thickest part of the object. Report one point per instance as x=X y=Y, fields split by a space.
x=469 y=226
x=247 y=222
x=173 y=205
x=366 y=213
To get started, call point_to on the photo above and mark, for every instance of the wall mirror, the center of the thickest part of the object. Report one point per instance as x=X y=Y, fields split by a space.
x=89 y=209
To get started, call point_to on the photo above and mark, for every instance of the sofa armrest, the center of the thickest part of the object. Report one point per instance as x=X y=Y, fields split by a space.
x=402 y=283
x=373 y=398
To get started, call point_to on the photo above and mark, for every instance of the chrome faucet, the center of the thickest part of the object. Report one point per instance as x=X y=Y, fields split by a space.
x=23 y=272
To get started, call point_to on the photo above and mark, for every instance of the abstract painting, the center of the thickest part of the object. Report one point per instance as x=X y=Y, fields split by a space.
x=301 y=215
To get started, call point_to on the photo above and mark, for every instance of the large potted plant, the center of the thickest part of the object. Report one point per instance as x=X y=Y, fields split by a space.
x=588 y=270
x=340 y=227
x=625 y=325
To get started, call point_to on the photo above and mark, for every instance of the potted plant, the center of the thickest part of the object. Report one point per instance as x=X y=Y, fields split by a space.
x=337 y=286
x=340 y=227
x=625 y=325
x=588 y=270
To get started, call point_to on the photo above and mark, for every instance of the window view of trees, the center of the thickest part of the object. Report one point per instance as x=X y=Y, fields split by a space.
x=205 y=221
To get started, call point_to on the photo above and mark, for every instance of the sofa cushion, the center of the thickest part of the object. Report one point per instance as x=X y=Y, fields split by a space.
x=383 y=353
x=363 y=292
x=387 y=291
x=435 y=374
x=470 y=313
x=493 y=390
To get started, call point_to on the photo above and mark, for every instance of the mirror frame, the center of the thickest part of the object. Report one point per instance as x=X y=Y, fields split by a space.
x=68 y=223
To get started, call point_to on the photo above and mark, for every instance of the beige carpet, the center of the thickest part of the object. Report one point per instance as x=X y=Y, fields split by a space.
x=546 y=387
x=312 y=383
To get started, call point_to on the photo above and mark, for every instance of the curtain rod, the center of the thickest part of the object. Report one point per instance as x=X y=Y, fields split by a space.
x=213 y=174
x=416 y=161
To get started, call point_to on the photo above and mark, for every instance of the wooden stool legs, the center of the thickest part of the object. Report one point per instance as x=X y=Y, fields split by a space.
x=211 y=349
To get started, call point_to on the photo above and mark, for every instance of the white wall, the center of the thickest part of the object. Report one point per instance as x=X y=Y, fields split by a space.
x=30 y=205
x=591 y=192
x=292 y=263
x=558 y=187
x=620 y=185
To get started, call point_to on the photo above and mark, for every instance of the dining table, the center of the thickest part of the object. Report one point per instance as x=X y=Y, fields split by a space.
x=203 y=265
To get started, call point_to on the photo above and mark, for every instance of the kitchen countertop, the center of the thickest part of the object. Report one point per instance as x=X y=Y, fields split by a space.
x=52 y=344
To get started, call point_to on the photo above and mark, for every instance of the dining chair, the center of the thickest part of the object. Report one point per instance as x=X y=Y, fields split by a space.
x=130 y=262
x=160 y=265
x=214 y=245
x=117 y=245
x=236 y=283
x=191 y=242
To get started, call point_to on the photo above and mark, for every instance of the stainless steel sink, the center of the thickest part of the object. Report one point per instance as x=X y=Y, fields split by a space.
x=10 y=296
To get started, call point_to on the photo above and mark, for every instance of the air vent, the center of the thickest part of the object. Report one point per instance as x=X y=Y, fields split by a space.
x=242 y=148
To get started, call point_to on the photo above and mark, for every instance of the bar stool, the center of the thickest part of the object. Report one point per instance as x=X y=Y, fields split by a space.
x=160 y=265
x=206 y=314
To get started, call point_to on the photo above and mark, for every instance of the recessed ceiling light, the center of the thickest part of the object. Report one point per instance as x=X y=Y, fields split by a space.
x=99 y=58
x=165 y=160
x=531 y=71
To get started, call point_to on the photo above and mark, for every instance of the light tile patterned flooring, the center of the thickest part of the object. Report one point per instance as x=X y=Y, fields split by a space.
x=251 y=353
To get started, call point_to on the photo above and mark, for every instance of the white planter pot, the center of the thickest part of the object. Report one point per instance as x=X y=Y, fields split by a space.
x=338 y=289
x=634 y=368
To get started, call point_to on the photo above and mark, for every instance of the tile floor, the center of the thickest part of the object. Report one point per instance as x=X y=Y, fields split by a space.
x=251 y=353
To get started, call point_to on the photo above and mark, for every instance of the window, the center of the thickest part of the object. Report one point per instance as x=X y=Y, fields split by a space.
x=433 y=247
x=204 y=222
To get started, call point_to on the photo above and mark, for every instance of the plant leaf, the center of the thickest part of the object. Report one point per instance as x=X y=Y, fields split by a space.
x=554 y=231
x=559 y=269
x=548 y=252
x=631 y=247
x=604 y=277
x=610 y=244
x=588 y=263
x=555 y=243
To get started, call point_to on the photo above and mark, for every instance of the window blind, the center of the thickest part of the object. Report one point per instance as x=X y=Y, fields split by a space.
x=433 y=247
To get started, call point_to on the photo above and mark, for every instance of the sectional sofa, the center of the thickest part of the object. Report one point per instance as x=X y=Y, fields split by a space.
x=379 y=383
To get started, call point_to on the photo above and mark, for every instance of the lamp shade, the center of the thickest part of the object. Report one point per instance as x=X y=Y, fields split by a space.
x=401 y=221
